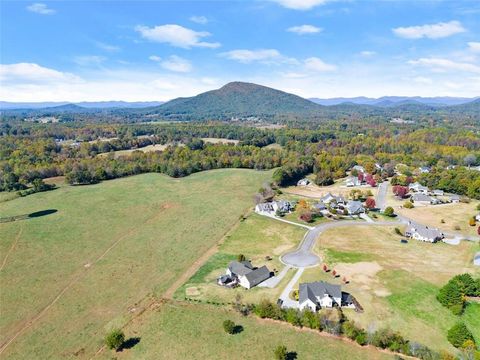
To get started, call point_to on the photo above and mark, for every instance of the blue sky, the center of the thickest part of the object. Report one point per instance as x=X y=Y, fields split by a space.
x=159 y=50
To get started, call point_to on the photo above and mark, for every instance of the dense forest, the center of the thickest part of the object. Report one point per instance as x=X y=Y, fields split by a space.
x=30 y=151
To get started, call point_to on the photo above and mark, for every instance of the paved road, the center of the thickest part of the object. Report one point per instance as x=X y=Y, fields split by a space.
x=303 y=256
x=381 y=200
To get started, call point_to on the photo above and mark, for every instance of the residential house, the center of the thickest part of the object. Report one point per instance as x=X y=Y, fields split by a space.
x=359 y=168
x=303 y=182
x=417 y=187
x=477 y=217
x=270 y=208
x=423 y=199
x=454 y=198
x=437 y=192
x=332 y=199
x=264 y=208
x=320 y=206
x=352 y=181
x=319 y=294
x=423 y=233
x=355 y=207
x=245 y=274
x=424 y=169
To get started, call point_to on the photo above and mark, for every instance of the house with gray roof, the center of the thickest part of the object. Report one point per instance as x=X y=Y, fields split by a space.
x=352 y=181
x=417 y=187
x=264 y=208
x=332 y=199
x=454 y=198
x=423 y=199
x=320 y=294
x=245 y=274
x=355 y=207
x=423 y=233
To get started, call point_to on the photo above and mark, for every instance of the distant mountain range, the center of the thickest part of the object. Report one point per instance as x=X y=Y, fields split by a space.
x=5 y=105
x=386 y=101
x=245 y=100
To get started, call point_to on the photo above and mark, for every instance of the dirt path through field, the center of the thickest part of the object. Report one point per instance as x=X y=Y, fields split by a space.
x=14 y=244
x=77 y=277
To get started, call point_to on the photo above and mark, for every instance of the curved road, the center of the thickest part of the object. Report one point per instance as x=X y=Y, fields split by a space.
x=303 y=256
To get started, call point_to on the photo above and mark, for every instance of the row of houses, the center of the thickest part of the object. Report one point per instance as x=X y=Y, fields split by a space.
x=423 y=194
x=338 y=202
x=272 y=207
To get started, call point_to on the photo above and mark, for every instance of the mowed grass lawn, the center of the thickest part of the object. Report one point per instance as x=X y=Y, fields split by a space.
x=396 y=283
x=255 y=237
x=107 y=247
x=182 y=331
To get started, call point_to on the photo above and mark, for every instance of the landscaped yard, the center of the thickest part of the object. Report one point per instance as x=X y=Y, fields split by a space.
x=105 y=248
x=396 y=283
x=453 y=215
x=256 y=237
x=181 y=331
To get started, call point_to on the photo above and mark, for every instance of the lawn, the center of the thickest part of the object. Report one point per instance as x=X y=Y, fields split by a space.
x=453 y=215
x=396 y=283
x=106 y=248
x=182 y=331
x=256 y=237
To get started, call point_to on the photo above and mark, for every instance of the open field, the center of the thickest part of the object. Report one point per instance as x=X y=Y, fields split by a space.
x=148 y=148
x=316 y=192
x=195 y=332
x=83 y=268
x=220 y=141
x=453 y=215
x=256 y=237
x=396 y=283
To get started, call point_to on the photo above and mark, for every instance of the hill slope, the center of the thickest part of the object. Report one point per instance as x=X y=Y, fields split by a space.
x=237 y=99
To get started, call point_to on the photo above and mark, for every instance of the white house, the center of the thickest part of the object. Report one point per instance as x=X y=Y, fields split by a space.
x=423 y=233
x=359 y=168
x=246 y=275
x=455 y=198
x=319 y=294
x=303 y=182
x=352 y=181
x=424 y=169
x=270 y=208
x=329 y=198
x=437 y=192
x=417 y=187
x=264 y=208
x=477 y=217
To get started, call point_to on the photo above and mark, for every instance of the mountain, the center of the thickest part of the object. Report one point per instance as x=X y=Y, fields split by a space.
x=237 y=99
x=386 y=101
x=5 y=105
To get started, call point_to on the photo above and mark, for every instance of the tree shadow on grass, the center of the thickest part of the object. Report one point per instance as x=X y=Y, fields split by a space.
x=129 y=343
x=237 y=329
x=42 y=213
x=291 y=355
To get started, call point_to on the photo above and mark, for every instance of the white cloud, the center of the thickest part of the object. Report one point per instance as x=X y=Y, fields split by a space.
x=300 y=4
x=304 y=29
x=107 y=47
x=155 y=58
x=294 y=75
x=176 y=35
x=177 y=64
x=318 y=65
x=89 y=60
x=199 y=19
x=32 y=73
x=247 y=56
x=367 y=53
x=40 y=8
x=431 y=31
x=422 y=80
x=474 y=46
x=443 y=65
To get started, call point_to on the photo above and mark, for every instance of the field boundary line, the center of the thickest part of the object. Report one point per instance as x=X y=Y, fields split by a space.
x=14 y=244
x=75 y=279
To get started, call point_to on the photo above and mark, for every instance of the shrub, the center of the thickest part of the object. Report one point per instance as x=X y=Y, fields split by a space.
x=241 y=257
x=361 y=338
x=459 y=334
x=398 y=232
x=370 y=203
x=350 y=330
x=451 y=296
x=292 y=317
x=472 y=221
x=311 y=320
x=389 y=211
x=408 y=205
x=229 y=327
x=280 y=352
x=115 y=339
x=306 y=216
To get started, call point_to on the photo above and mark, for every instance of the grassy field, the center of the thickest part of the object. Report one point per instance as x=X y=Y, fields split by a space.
x=256 y=237
x=195 y=332
x=83 y=268
x=338 y=188
x=396 y=283
x=453 y=215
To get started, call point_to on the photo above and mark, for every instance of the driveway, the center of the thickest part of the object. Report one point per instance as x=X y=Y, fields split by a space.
x=381 y=200
x=274 y=280
x=286 y=301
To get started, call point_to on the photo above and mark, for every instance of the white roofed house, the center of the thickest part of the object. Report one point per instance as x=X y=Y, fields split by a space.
x=437 y=192
x=265 y=208
x=283 y=206
x=352 y=181
x=319 y=294
x=417 y=187
x=359 y=168
x=424 y=169
x=303 y=182
x=332 y=199
x=455 y=198
x=423 y=233
x=423 y=199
